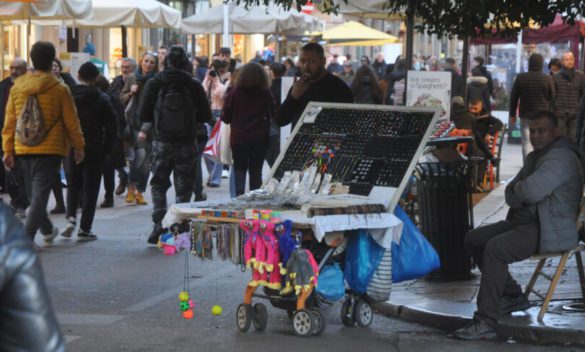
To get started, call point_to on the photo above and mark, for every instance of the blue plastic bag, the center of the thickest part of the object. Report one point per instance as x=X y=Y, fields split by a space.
x=414 y=257
x=330 y=285
x=362 y=257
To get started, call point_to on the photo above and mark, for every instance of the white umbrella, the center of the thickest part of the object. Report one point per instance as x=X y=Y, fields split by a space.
x=258 y=19
x=132 y=13
x=45 y=9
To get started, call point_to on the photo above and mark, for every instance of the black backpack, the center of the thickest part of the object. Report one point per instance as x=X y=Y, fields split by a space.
x=175 y=114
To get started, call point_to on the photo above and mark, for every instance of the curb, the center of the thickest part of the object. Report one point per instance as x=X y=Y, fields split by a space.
x=421 y=316
x=561 y=330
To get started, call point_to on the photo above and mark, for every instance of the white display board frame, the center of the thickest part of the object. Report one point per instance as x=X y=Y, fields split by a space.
x=389 y=192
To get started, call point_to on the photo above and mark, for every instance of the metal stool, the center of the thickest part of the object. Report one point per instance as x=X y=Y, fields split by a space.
x=554 y=280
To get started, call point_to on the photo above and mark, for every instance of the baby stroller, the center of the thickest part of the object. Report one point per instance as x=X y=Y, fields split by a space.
x=306 y=308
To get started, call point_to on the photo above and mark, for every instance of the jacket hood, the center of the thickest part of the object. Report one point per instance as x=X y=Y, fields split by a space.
x=85 y=95
x=535 y=62
x=170 y=75
x=36 y=83
x=477 y=80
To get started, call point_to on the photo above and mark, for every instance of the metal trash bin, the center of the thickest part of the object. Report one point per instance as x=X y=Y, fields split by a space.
x=446 y=214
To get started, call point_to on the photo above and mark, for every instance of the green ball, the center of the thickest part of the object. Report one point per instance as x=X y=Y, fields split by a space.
x=184 y=306
x=216 y=310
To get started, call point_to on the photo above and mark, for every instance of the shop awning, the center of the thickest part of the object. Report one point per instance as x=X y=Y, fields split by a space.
x=256 y=20
x=354 y=32
x=45 y=10
x=132 y=13
x=377 y=42
x=368 y=9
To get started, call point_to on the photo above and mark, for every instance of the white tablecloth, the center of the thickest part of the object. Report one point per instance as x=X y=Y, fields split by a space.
x=383 y=227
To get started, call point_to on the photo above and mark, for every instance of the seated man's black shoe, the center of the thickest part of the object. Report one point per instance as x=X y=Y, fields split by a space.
x=514 y=304
x=477 y=329
x=155 y=234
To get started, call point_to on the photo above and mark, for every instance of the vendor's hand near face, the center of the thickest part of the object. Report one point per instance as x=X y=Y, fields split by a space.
x=312 y=66
x=301 y=85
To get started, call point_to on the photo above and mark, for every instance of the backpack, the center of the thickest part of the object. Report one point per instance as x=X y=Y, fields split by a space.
x=175 y=115
x=30 y=125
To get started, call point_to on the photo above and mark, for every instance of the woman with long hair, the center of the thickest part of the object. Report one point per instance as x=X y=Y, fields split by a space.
x=137 y=135
x=365 y=87
x=248 y=108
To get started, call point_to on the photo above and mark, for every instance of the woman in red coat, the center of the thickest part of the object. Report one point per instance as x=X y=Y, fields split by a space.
x=248 y=108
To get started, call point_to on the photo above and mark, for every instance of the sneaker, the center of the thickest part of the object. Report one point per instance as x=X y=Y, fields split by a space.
x=107 y=203
x=157 y=230
x=48 y=239
x=212 y=185
x=83 y=236
x=130 y=197
x=225 y=174
x=69 y=228
x=478 y=329
x=514 y=304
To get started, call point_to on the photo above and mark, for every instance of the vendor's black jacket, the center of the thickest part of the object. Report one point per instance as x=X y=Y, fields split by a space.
x=329 y=89
x=169 y=76
x=96 y=116
x=27 y=319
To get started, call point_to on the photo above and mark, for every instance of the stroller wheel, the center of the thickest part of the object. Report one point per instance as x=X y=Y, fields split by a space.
x=244 y=317
x=347 y=316
x=319 y=322
x=363 y=313
x=260 y=318
x=303 y=323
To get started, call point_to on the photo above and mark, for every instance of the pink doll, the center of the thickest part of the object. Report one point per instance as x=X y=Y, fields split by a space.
x=272 y=255
x=254 y=251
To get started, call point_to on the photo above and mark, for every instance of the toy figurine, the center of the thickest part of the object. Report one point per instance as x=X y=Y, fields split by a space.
x=302 y=271
x=286 y=243
x=254 y=251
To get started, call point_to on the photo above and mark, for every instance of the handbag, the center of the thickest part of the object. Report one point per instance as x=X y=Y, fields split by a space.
x=414 y=256
x=218 y=148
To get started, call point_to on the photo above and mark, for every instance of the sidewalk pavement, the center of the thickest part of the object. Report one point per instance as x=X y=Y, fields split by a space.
x=450 y=305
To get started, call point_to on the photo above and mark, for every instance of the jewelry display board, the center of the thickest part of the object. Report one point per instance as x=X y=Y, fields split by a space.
x=372 y=149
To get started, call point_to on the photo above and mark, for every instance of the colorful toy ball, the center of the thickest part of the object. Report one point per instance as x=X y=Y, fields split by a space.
x=188 y=314
x=191 y=303
x=183 y=296
x=216 y=310
x=184 y=306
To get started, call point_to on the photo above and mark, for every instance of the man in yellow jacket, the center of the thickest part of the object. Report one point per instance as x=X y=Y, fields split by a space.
x=40 y=164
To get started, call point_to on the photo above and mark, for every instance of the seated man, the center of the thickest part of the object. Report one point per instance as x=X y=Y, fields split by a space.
x=544 y=200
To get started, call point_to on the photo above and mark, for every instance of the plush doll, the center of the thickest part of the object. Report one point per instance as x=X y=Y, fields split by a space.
x=300 y=272
x=286 y=243
x=272 y=255
x=254 y=252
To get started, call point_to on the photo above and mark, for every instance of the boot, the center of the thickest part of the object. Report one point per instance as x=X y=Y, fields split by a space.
x=121 y=187
x=155 y=234
x=139 y=199
x=107 y=203
x=131 y=193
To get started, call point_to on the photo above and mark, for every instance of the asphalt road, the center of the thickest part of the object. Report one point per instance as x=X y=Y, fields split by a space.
x=119 y=294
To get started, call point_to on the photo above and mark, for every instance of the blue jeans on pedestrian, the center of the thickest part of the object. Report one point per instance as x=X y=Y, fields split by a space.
x=140 y=169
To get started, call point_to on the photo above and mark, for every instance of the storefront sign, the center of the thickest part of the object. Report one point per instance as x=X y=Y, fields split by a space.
x=429 y=89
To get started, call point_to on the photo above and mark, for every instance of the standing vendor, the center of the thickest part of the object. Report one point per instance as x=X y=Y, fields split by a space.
x=315 y=84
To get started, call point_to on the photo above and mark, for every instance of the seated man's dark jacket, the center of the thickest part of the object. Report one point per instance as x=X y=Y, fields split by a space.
x=465 y=120
x=27 y=320
x=329 y=89
x=547 y=191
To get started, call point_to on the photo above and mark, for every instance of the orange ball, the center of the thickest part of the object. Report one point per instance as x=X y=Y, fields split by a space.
x=188 y=314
